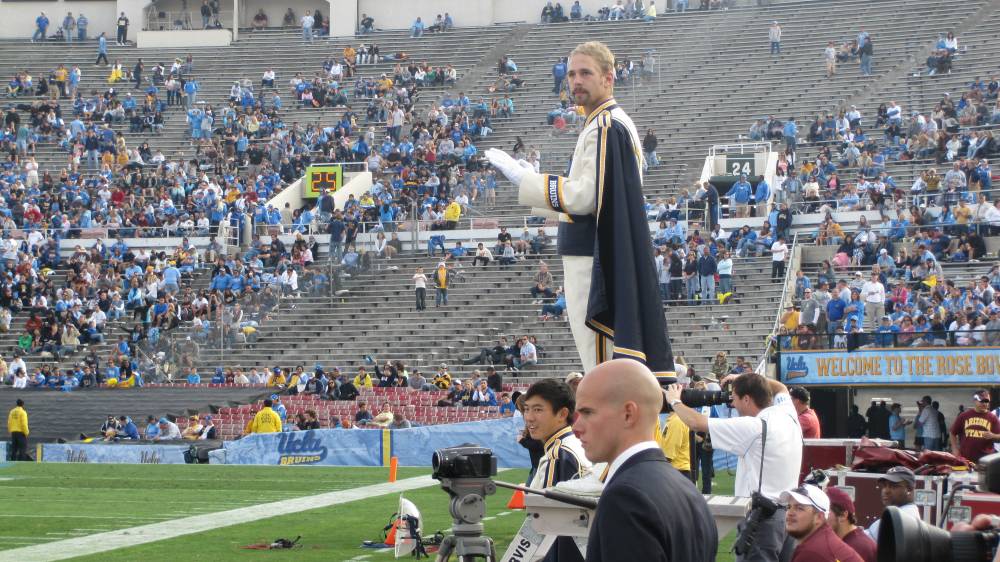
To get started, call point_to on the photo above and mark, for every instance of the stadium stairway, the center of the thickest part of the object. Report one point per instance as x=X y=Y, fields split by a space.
x=377 y=317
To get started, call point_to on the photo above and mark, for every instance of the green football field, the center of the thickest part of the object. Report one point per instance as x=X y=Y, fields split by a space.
x=50 y=502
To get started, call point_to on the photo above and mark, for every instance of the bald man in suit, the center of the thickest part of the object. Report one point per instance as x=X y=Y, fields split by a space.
x=648 y=511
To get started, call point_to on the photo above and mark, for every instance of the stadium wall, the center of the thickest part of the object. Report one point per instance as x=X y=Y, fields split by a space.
x=18 y=19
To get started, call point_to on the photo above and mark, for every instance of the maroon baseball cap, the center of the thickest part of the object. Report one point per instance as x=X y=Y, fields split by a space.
x=840 y=498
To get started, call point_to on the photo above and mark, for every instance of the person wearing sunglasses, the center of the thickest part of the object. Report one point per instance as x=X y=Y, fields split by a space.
x=975 y=430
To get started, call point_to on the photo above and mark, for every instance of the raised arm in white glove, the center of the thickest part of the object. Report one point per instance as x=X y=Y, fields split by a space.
x=512 y=169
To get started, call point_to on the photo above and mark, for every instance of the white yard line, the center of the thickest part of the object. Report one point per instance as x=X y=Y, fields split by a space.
x=122 y=538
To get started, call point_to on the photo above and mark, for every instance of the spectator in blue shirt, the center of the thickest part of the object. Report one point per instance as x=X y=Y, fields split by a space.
x=740 y=195
x=171 y=279
x=790 y=132
x=41 y=27
x=559 y=74
x=417 y=29
x=885 y=333
x=760 y=196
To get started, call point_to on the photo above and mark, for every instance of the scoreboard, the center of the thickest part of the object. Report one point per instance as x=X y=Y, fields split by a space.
x=322 y=177
x=737 y=164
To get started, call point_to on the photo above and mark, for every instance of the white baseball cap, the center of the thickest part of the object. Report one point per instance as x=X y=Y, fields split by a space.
x=809 y=495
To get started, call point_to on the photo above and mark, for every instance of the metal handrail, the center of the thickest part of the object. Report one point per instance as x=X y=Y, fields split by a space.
x=781 y=302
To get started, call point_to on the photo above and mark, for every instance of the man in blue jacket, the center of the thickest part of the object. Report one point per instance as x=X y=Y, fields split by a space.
x=739 y=196
x=760 y=197
x=790 y=132
x=558 y=75
x=42 y=25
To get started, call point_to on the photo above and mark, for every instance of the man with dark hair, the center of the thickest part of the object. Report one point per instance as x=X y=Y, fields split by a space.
x=807 y=416
x=841 y=518
x=857 y=426
x=766 y=434
x=17 y=425
x=549 y=405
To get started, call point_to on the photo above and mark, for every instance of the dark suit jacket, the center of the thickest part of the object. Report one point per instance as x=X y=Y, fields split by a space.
x=649 y=512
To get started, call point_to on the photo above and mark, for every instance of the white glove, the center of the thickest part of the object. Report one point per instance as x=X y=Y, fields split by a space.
x=507 y=165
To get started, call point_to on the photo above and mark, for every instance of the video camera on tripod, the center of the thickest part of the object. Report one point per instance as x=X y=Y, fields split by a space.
x=466 y=475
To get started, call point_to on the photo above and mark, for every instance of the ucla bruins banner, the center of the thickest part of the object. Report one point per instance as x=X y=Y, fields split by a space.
x=346 y=447
x=952 y=366
x=373 y=447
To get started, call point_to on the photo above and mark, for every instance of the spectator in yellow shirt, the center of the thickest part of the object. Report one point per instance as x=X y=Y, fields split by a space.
x=266 y=420
x=17 y=425
x=362 y=379
x=676 y=444
x=277 y=378
x=452 y=213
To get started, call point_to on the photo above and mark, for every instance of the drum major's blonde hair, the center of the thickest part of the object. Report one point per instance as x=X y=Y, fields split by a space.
x=599 y=52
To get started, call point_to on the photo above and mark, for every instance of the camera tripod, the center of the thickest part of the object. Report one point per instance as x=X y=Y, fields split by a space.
x=468 y=507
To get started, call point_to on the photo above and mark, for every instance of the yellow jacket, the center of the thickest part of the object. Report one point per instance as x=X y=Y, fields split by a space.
x=675 y=442
x=363 y=382
x=453 y=211
x=266 y=421
x=17 y=421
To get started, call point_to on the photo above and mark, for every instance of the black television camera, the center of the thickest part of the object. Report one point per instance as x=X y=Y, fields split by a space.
x=464 y=461
x=902 y=538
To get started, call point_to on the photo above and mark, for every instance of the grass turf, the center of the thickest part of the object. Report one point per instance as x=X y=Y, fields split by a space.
x=46 y=502
x=67 y=500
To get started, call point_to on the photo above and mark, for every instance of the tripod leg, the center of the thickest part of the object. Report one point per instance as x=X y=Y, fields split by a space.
x=444 y=551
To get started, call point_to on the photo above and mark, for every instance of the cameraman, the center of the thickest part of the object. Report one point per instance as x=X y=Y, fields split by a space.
x=767 y=463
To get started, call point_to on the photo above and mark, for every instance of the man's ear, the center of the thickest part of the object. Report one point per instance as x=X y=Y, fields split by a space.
x=563 y=415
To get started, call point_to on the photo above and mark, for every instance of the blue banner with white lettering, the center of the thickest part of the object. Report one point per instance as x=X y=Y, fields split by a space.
x=415 y=446
x=368 y=447
x=338 y=447
x=3 y=451
x=116 y=454
x=952 y=366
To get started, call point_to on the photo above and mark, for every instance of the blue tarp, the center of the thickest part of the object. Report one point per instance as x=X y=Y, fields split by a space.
x=414 y=447
x=105 y=453
x=364 y=447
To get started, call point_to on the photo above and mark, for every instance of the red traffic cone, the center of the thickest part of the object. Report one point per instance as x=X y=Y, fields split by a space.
x=516 y=501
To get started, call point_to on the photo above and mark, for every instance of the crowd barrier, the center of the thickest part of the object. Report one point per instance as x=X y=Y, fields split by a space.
x=357 y=447
x=324 y=447
x=100 y=453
